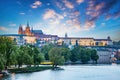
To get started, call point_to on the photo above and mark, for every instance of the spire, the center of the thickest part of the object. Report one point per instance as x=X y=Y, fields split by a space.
x=66 y=35
x=20 y=27
x=108 y=38
x=32 y=29
x=20 y=31
x=27 y=24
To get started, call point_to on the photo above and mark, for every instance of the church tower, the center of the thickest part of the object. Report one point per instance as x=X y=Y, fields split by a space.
x=66 y=35
x=27 y=30
x=20 y=31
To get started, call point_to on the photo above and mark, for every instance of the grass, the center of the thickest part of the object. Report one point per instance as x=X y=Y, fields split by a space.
x=29 y=69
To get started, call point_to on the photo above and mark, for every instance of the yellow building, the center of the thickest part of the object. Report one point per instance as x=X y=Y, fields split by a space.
x=84 y=41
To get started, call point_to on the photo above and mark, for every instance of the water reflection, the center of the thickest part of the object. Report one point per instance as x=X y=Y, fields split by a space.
x=73 y=72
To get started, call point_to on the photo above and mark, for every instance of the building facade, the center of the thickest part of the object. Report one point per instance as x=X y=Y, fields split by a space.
x=36 y=36
x=84 y=41
x=32 y=36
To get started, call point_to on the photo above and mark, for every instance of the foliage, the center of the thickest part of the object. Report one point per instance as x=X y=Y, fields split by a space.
x=85 y=55
x=116 y=42
x=56 y=57
x=66 y=53
x=29 y=69
x=1 y=62
x=45 y=49
x=12 y=54
x=38 y=57
x=6 y=48
x=94 y=55
x=75 y=54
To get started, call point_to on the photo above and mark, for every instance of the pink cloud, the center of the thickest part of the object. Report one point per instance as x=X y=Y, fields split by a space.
x=99 y=6
x=89 y=24
x=3 y=28
x=68 y=4
x=79 y=1
x=36 y=4
x=52 y=14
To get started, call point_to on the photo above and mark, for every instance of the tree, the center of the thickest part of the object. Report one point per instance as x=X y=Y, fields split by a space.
x=6 y=48
x=85 y=55
x=13 y=56
x=94 y=56
x=38 y=57
x=20 y=56
x=2 y=61
x=56 y=57
x=66 y=53
x=45 y=49
x=75 y=54
x=116 y=42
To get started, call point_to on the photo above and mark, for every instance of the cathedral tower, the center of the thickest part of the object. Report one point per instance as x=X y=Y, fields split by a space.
x=20 y=31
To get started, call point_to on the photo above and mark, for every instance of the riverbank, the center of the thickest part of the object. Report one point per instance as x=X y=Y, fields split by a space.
x=72 y=72
x=29 y=69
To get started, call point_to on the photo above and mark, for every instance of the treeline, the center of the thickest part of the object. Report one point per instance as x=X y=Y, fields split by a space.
x=12 y=54
x=61 y=54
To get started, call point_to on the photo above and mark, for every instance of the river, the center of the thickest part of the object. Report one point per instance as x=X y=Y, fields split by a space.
x=73 y=72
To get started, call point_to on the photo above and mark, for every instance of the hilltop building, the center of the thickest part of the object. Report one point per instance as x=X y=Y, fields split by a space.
x=83 y=41
x=38 y=38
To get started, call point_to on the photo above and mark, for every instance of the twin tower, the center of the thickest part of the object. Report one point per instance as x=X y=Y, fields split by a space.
x=27 y=30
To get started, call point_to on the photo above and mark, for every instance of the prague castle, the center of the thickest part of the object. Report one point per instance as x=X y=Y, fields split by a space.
x=37 y=36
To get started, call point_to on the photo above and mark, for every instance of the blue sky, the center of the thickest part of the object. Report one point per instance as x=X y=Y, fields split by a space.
x=78 y=18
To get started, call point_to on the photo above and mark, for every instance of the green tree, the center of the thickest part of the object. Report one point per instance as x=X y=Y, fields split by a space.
x=6 y=48
x=38 y=56
x=56 y=57
x=20 y=56
x=13 y=56
x=2 y=62
x=94 y=56
x=28 y=60
x=66 y=53
x=85 y=55
x=45 y=49
x=75 y=53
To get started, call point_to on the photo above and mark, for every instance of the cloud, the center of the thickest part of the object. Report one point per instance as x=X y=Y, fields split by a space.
x=96 y=9
x=3 y=28
x=103 y=24
x=68 y=4
x=117 y=14
x=36 y=4
x=79 y=1
x=12 y=24
x=51 y=14
x=108 y=16
x=19 y=3
x=89 y=24
x=60 y=5
x=22 y=13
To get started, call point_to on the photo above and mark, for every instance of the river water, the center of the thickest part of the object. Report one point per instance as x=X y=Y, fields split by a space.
x=73 y=72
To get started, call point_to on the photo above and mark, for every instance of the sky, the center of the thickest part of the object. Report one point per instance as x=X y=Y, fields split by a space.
x=77 y=18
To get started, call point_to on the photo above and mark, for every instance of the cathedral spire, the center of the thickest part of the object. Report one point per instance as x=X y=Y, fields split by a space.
x=20 y=31
x=27 y=24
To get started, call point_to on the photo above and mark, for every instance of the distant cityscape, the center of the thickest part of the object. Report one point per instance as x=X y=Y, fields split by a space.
x=37 y=37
